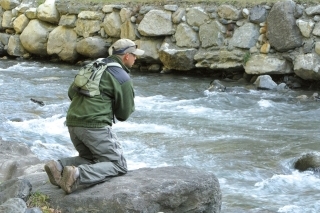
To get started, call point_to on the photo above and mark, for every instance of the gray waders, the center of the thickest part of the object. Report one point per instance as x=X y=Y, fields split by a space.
x=100 y=154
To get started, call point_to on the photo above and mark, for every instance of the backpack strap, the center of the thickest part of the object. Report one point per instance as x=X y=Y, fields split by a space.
x=114 y=64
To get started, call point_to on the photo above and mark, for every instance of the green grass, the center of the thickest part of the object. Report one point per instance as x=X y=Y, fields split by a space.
x=40 y=200
x=246 y=57
x=240 y=3
x=216 y=2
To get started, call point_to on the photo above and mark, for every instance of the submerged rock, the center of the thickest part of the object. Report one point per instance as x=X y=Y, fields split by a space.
x=307 y=162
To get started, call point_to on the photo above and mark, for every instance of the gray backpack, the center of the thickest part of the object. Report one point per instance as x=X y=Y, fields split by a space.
x=87 y=81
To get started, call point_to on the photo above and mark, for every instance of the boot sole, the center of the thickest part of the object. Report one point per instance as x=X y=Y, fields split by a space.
x=49 y=168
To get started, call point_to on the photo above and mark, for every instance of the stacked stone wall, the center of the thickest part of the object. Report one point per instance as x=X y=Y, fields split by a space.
x=281 y=38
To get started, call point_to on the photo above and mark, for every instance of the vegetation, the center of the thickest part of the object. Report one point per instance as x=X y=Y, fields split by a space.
x=241 y=3
x=246 y=57
x=41 y=201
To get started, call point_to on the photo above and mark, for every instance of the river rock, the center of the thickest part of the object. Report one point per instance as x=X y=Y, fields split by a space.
x=283 y=35
x=156 y=23
x=165 y=189
x=15 y=188
x=12 y=164
x=4 y=38
x=229 y=12
x=265 y=82
x=305 y=27
x=212 y=34
x=14 y=46
x=48 y=12
x=9 y=4
x=112 y=24
x=196 y=16
x=7 y=19
x=20 y=23
x=128 y=30
x=35 y=36
x=314 y=10
x=249 y=36
x=63 y=41
x=31 y=13
x=307 y=161
x=186 y=36
x=13 y=205
x=174 y=58
x=92 y=47
x=307 y=66
x=258 y=14
x=75 y=7
x=267 y=64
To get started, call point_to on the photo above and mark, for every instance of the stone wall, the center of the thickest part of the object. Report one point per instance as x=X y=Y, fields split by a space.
x=267 y=39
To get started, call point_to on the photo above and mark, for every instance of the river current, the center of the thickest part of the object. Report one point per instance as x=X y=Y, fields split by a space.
x=248 y=140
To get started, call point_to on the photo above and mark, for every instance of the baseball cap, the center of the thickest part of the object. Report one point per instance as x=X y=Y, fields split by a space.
x=123 y=46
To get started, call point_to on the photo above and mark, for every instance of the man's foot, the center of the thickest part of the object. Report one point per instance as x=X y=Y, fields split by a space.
x=53 y=172
x=70 y=179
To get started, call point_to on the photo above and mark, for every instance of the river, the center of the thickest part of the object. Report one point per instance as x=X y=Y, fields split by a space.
x=249 y=141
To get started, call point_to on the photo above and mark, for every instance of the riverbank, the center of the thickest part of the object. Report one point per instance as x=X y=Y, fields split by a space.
x=220 y=40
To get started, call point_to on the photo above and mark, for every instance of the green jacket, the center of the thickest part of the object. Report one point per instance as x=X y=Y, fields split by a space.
x=116 y=99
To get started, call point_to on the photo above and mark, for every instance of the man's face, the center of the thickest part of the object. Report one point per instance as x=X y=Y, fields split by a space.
x=129 y=59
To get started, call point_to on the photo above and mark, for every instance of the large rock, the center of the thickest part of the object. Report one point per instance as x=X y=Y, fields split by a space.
x=14 y=205
x=128 y=30
x=245 y=36
x=305 y=27
x=20 y=23
x=265 y=82
x=48 y=12
x=15 y=188
x=87 y=28
x=93 y=47
x=7 y=19
x=283 y=35
x=196 y=17
x=12 y=164
x=220 y=59
x=165 y=189
x=9 y=4
x=307 y=66
x=15 y=47
x=173 y=189
x=212 y=34
x=156 y=23
x=175 y=58
x=186 y=36
x=63 y=41
x=34 y=37
x=267 y=64
x=229 y=12
x=308 y=162
x=151 y=47
x=112 y=24
x=74 y=7
x=258 y=14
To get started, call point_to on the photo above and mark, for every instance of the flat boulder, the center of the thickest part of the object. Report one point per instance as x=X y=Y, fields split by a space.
x=165 y=189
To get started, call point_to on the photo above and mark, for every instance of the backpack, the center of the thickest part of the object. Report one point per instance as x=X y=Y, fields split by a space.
x=87 y=81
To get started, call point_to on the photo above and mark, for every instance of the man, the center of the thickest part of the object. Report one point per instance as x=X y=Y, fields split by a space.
x=89 y=121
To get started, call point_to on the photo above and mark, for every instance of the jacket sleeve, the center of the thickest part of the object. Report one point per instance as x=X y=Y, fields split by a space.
x=124 y=101
x=71 y=92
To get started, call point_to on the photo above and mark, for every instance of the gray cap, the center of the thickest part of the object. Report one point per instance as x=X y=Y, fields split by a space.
x=123 y=46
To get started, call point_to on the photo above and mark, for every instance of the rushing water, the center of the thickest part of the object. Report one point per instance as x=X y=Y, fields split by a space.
x=248 y=140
